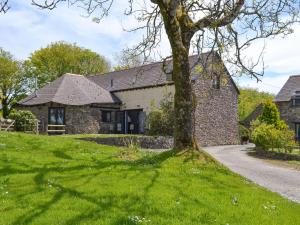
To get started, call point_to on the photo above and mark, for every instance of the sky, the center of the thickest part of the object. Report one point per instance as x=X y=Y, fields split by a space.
x=25 y=28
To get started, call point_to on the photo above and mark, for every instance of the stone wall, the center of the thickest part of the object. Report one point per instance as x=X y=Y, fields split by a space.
x=78 y=119
x=216 y=114
x=290 y=114
x=147 y=142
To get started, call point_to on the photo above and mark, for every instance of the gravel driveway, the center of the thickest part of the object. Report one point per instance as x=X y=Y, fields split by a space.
x=284 y=181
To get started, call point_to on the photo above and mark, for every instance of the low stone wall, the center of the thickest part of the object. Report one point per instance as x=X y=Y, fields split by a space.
x=147 y=142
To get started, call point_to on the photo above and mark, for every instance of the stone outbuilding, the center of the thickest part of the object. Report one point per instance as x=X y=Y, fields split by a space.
x=288 y=103
x=120 y=101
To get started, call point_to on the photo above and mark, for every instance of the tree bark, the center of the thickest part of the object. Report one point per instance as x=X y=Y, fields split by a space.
x=183 y=127
x=179 y=34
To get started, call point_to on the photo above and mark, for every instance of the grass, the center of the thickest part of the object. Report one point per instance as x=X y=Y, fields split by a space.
x=62 y=180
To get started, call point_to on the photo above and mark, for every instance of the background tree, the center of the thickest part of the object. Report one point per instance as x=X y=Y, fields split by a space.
x=13 y=82
x=126 y=60
x=225 y=27
x=59 y=58
x=249 y=99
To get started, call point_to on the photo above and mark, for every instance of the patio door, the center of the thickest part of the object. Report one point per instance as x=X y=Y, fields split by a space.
x=134 y=121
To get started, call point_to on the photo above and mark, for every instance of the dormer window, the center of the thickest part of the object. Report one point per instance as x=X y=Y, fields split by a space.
x=296 y=99
x=169 y=77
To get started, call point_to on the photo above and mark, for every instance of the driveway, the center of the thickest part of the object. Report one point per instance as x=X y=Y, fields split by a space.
x=284 y=181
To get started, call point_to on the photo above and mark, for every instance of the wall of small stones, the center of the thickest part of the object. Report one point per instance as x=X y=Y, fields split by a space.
x=290 y=114
x=147 y=142
x=78 y=119
x=216 y=114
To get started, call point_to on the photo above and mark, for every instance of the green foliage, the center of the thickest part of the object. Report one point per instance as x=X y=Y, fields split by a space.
x=24 y=120
x=270 y=115
x=161 y=121
x=268 y=137
x=249 y=99
x=59 y=58
x=53 y=180
x=244 y=133
x=269 y=131
x=13 y=82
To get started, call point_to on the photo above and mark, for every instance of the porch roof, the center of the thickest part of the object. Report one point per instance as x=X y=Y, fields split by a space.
x=71 y=89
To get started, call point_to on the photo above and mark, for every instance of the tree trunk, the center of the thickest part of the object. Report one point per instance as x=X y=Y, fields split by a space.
x=183 y=127
x=179 y=34
x=5 y=108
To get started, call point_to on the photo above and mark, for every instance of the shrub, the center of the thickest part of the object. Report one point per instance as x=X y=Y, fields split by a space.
x=24 y=120
x=268 y=137
x=271 y=115
x=161 y=121
x=244 y=133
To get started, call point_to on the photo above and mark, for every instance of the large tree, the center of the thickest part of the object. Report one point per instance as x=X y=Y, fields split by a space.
x=13 y=82
x=227 y=27
x=46 y=64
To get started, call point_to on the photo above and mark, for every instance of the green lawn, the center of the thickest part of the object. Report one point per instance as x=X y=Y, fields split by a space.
x=62 y=180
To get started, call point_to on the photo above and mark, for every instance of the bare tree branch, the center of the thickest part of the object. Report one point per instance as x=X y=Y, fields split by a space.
x=4 y=7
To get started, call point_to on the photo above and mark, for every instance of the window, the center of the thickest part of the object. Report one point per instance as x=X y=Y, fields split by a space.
x=216 y=81
x=169 y=77
x=296 y=102
x=57 y=116
x=106 y=116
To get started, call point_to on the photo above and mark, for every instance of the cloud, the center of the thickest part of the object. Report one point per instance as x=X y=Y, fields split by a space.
x=269 y=83
x=26 y=28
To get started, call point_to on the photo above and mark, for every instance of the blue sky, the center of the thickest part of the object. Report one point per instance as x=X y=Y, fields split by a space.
x=26 y=28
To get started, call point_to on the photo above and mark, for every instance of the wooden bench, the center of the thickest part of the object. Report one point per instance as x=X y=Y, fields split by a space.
x=59 y=129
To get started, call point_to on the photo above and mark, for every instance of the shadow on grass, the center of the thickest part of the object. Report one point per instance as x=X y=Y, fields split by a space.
x=103 y=204
x=61 y=154
x=150 y=163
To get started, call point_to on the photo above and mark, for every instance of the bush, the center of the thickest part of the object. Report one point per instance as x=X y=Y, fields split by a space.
x=161 y=121
x=268 y=137
x=244 y=133
x=24 y=120
x=271 y=115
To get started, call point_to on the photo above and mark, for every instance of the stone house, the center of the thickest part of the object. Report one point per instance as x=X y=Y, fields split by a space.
x=288 y=103
x=119 y=102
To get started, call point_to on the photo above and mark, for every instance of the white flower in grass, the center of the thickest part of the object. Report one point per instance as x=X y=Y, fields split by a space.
x=138 y=219
x=234 y=200
x=269 y=206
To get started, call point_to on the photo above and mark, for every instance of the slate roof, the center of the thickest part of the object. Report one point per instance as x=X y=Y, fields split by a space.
x=70 y=89
x=138 y=77
x=289 y=89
